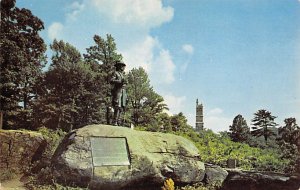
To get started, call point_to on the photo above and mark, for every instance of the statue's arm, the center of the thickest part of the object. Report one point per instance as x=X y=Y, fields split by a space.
x=116 y=79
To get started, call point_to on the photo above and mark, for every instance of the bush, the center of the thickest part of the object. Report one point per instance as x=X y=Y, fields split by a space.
x=53 y=138
x=218 y=148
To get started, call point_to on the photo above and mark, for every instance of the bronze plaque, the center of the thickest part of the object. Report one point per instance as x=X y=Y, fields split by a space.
x=109 y=151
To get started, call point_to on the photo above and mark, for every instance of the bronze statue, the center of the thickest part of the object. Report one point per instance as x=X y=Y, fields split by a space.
x=119 y=95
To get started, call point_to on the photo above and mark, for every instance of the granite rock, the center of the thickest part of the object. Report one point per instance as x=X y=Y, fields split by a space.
x=153 y=157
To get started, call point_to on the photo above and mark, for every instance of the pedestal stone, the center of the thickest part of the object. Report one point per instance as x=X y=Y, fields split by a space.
x=111 y=157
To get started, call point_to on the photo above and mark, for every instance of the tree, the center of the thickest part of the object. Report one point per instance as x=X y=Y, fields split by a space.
x=164 y=122
x=240 y=131
x=21 y=61
x=144 y=103
x=262 y=120
x=290 y=133
x=289 y=142
x=102 y=57
x=71 y=95
x=179 y=123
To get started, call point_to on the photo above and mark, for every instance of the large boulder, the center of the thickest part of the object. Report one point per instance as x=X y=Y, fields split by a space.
x=153 y=157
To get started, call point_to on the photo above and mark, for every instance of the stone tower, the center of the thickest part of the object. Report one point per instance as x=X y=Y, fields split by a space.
x=199 y=116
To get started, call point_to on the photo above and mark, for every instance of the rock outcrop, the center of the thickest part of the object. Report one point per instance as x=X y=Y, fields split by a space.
x=153 y=158
x=237 y=180
x=214 y=174
x=18 y=150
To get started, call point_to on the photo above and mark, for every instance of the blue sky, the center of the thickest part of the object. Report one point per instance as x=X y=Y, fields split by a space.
x=235 y=56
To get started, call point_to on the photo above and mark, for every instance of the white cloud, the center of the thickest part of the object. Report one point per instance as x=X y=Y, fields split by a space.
x=146 y=13
x=140 y=54
x=174 y=103
x=216 y=121
x=159 y=67
x=55 y=30
x=164 y=68
x=189 y=49
x=215 y=111
x=75 y=9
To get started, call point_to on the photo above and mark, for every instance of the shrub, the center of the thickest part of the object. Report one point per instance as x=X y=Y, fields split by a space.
x=218 y=148
x=202 y=186
x=53 y=138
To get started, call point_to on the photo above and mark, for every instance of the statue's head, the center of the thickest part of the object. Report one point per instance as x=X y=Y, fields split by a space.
x=120 y=65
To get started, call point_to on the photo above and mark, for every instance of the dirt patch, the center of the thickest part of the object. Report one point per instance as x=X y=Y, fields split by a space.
x=13 y=184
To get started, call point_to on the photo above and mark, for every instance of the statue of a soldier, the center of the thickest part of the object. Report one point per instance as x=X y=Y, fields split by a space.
x=119 y=95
